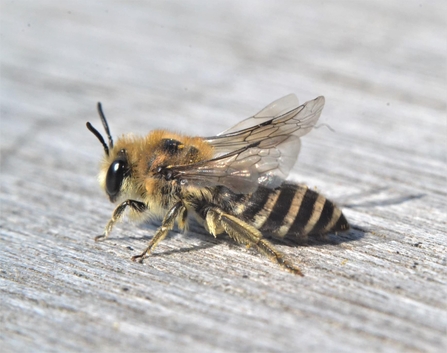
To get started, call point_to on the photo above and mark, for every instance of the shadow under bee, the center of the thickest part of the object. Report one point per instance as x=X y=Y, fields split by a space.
x=197 y=231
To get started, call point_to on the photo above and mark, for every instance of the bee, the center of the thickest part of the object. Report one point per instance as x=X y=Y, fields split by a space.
x=231 y=183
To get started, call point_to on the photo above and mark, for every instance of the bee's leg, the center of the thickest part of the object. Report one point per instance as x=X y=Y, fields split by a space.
x=177 y=211
x=137 y=206
x=247 y=234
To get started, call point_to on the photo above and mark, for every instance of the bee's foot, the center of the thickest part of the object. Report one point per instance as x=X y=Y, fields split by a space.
x=291 y=268
x=295 y=271
x=139 y=258
x=101 y=237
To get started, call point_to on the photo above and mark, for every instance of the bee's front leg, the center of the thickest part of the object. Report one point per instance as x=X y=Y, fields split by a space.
x=178 y=211
x=137 y=206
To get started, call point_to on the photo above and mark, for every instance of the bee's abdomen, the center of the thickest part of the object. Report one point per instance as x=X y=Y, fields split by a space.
x=292 y=211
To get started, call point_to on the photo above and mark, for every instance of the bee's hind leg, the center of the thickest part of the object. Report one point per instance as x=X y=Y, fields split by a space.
x=177 y=211
x=216 y=220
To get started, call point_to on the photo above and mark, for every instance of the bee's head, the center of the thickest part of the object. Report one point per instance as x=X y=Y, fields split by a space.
x=116 y=162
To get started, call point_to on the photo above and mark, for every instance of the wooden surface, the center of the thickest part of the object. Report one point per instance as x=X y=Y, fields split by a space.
x=198 y=68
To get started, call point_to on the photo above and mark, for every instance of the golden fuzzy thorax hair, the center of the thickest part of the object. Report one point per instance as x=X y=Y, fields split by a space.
x=146 y=154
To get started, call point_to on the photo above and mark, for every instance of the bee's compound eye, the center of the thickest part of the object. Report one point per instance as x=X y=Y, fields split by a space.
x=115 y=176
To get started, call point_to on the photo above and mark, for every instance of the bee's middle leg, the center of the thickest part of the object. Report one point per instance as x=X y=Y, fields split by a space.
x=217 y=221
x=178 y=211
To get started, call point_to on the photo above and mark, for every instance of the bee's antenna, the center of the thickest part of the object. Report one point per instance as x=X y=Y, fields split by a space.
x=104 y=123
x=99 y=136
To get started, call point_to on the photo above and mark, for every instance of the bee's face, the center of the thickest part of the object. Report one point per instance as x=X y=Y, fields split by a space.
x=116 y=174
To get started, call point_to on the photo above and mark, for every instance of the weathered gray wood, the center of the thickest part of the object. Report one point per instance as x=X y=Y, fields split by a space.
x=199 y=67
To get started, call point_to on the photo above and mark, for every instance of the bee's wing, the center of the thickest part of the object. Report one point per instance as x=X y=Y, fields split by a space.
x=261 y=154
x=274 y=109
x=241 y=171
x=283 y=117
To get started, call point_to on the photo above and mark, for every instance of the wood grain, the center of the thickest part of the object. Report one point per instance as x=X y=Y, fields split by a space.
x=200 y=67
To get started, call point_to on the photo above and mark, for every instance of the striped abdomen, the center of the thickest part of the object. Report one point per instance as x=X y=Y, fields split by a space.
x=291 y=211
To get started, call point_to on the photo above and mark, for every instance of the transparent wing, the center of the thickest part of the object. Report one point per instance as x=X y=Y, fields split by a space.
x=283 y=117
x=243 y=170
x=261 y=154
x=274 y=109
